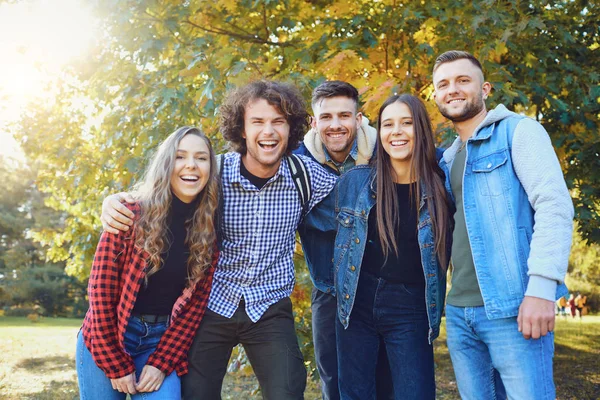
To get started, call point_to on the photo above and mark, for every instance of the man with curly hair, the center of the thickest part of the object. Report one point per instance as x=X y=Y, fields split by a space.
x=249 y=302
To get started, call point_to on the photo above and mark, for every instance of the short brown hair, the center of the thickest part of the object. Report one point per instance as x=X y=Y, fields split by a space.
x=454 y=55
x=284 y=97
x=329 y=89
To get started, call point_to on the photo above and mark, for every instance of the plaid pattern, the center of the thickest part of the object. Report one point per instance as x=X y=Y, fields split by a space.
x=256 y=260
x=115 y=280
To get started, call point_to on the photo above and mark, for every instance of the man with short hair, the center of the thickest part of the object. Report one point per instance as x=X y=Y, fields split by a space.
x=340 y=139
x=511 y=241
x=249 y=302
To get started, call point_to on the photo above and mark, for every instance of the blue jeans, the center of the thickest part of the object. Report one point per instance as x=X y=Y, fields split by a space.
x=492 y=360
x=397 y=314
x=324 y=309
x=141 y=339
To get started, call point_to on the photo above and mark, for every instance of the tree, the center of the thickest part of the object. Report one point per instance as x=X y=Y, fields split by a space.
x=165 y=63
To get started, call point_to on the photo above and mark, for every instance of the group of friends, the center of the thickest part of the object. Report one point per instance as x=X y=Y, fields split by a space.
x=199 y=257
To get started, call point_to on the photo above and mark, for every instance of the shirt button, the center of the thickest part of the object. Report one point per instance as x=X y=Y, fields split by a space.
x=489 y=165
x=353 y=268
x=363 y=212
x=347 y=296
x=373 y=196
x=357 y=240
x=347 y=220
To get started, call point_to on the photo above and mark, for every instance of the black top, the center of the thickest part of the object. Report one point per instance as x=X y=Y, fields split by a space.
x=166 y=285
x=255 y=180
x=406 y=266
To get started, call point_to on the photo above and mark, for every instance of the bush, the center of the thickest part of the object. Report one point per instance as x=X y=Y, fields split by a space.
x=22 y=311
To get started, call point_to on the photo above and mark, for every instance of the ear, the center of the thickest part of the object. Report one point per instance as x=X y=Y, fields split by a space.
x=486 y=88
x=313 y=122
x=358 y=119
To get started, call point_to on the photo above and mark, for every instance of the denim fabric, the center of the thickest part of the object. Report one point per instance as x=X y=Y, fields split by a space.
x=397 y=314
x=489 y=355
x=354 y=199
x=141 y=339
x=498 y=216
x=324 y=308
x=317 y=238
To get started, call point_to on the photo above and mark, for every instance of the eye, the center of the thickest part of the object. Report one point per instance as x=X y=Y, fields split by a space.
x=178 y=157
x=407 y=123
x=442 y=85
x=464 y=80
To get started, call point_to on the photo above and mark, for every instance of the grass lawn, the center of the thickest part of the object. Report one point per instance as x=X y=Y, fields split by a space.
x=37 y=362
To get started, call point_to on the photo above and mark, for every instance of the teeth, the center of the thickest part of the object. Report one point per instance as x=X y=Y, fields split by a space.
x=268 y=143
x=189 y=178
x=336 y=135
x=455 y=100
x=398 y=142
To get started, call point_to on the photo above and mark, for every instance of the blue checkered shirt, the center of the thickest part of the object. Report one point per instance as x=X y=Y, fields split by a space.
x=259 y=235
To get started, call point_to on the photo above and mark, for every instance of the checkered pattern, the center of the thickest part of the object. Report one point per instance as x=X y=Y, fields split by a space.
x=116 y=277
x=256 y=260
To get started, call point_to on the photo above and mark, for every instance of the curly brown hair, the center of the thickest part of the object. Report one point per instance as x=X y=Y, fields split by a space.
x=284 y=97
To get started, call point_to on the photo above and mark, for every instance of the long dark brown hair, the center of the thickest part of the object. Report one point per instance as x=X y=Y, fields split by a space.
x=155 y=200
x=424 y=169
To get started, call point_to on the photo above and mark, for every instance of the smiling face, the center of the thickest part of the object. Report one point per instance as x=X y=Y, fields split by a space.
x=192 y=168
x=266 y=132
x=460 y=90
x=337 y=121
x=397 y=135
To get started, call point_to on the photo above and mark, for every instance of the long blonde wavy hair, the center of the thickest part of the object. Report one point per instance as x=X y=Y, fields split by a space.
x=155 y=196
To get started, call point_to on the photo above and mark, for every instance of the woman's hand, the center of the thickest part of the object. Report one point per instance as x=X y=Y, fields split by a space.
x=150 y=379
x=125 y=384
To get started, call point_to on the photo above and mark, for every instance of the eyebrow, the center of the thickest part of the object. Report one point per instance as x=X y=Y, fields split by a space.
x=198 y=152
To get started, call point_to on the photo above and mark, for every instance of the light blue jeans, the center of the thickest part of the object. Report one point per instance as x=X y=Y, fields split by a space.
x=492 y=360
x=141 y=339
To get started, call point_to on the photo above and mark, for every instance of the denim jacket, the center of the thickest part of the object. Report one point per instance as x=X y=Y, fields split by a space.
x=498 y=215
x=317 y=237
x=355 y=196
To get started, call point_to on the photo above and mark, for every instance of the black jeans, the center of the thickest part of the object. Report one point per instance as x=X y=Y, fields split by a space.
x=324 y=316
x=271 y=346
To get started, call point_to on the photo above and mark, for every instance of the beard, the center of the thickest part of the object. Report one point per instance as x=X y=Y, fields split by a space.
x=471 y=109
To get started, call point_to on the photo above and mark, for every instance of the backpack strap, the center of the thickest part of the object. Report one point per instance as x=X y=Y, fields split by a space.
x=221 y=208
x=301 y=180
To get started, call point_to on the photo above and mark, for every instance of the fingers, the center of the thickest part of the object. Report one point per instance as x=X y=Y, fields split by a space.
x=150 y=380
x=115 y=216
x=551 y=325
x=127 y=197
x=130 y=385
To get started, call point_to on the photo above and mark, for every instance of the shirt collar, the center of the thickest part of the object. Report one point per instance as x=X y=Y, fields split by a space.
x=353 y=154
x=234 y=174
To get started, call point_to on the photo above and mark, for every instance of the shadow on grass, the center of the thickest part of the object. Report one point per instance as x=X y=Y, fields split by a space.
x=46 y=364
x=55 y=390
x=576 y=373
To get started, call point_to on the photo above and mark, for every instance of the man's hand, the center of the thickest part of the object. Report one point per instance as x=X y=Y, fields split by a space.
x=536 y=317
x=150 y=379
x=125 y=384
x=115 y=216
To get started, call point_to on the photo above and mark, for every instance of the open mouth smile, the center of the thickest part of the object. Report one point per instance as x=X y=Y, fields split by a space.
x=268 y=144
x=398 y=143
x=189 y=179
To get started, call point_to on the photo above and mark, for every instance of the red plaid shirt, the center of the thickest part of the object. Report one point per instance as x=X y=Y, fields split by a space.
x=116 y=277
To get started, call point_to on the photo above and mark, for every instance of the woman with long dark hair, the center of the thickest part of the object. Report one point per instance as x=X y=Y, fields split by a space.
x=391 y=254
x=149 y=286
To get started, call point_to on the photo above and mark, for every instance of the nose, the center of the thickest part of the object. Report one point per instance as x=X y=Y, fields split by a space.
x=452 y=87
x=190 y=162
x=335 y=123
x=268 y=128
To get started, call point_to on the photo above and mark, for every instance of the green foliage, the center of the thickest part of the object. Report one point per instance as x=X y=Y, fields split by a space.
x=48 y=288
x=163 y=64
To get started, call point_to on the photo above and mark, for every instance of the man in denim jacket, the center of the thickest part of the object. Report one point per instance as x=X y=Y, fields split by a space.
x=511 y=242
x=340 y=139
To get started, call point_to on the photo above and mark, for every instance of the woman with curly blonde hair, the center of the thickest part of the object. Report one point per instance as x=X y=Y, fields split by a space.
x=149 y=286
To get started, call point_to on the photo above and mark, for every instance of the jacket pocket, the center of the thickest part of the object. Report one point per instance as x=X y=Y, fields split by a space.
x=489 y=173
